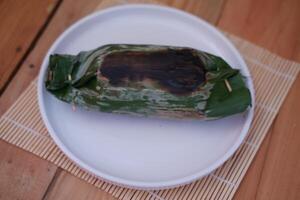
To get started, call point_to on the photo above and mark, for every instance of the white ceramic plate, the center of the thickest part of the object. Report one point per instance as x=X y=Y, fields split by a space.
x=139 y=152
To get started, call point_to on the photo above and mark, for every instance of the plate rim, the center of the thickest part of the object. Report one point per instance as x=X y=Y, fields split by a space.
x=132 y=183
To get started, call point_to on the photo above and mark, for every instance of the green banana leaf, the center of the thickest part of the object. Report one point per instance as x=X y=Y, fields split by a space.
x=149 y=80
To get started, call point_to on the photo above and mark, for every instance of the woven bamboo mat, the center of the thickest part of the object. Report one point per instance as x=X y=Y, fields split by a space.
x=22 y=126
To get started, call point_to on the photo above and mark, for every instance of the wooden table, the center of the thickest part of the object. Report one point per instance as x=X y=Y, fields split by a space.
x=28 y=28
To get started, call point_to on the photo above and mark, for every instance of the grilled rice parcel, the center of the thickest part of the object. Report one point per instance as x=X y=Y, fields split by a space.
x=149 y=80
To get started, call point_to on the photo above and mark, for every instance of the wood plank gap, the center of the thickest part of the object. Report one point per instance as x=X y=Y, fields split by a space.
x=31 y=46
x=52 y=183
x=220 y=12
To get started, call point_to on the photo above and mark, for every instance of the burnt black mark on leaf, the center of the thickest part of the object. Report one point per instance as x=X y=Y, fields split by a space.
x=178 y=71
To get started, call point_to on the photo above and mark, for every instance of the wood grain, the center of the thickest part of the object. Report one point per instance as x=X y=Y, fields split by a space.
x=23 y=176
x=67 y=186
x=274 y=25
x=208 y=10
x=280 y=177
x=20 y=24
x=68 y=12
x=248 y=187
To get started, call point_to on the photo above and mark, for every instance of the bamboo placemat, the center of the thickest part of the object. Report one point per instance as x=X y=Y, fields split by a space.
x=273 y=76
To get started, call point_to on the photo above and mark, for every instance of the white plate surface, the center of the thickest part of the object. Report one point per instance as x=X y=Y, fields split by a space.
x=140 y=152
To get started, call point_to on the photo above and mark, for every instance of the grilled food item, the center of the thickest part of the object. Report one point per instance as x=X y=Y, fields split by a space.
x=149 y=80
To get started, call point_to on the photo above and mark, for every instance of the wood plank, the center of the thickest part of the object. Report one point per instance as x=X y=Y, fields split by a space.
x=208 y=10
x=274 y=174
x=274 y=25
x=67 y=186
x=280 y=177
x=67 y=14
x=20 y=24
x=247 y=189
x=23 y=175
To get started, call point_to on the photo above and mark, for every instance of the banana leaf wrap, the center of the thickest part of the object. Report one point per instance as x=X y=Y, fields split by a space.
x=149 y=80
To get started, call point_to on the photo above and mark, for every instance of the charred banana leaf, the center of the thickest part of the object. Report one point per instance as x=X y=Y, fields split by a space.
x=149 y=80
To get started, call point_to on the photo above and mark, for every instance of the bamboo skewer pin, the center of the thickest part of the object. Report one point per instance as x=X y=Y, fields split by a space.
x=69 y=77
x=50 y=75
x=228 y=85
